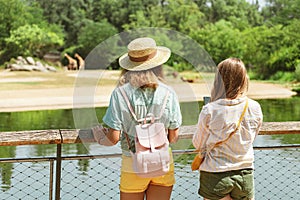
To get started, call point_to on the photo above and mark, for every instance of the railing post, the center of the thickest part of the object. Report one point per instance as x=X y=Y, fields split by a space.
x=58 y=168
x=58 y=172
x=51 y=181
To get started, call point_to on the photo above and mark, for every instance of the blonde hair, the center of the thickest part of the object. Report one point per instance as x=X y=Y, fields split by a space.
x=142 y=79
x=231 y=80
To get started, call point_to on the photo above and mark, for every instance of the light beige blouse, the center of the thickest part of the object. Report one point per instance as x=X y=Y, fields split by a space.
x=216 y=121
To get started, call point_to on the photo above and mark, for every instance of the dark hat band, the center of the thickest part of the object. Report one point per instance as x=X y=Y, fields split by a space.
x=143 y=58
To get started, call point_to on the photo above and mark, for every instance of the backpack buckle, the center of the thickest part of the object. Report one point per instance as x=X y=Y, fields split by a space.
x=148 y=119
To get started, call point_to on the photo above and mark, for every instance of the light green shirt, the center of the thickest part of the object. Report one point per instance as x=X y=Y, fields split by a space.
x=142 y=101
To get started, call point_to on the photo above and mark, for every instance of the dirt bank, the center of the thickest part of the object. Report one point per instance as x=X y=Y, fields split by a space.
x=73 y=97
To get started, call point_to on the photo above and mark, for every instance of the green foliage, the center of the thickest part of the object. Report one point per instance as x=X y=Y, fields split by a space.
x=119 y=12
x=180 y=66
x=71 y=15
x=180 y=15
x=221 y=40
x=239 y=12
x=283 y=76
x=12 y=15
x=183 y=16
x=297 y=70
x=281 y=11
x=93 y=34
x=271 y=49
x=32 y=40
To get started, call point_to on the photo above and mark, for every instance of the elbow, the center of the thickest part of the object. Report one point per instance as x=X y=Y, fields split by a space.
x=114 y=142
x=112 y=137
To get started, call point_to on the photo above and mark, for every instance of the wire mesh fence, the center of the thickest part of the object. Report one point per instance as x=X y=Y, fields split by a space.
x=277 y=175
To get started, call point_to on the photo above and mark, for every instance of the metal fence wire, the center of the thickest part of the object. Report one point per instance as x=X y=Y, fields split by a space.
x=277 y=175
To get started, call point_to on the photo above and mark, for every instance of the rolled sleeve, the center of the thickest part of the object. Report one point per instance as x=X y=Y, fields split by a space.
x=202 y=132
x=175 y=113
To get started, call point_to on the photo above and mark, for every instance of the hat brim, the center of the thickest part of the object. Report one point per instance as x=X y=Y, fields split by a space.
x=162 y=55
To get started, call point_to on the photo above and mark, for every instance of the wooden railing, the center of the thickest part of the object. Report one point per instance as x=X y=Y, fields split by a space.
x=71 y=136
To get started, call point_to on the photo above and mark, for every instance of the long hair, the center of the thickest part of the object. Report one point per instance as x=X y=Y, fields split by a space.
x=231 y=80
x=142 y=79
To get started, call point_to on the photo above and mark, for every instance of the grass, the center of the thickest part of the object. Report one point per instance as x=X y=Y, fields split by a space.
x=19 y=80
x=197 y=76
x=22 y=80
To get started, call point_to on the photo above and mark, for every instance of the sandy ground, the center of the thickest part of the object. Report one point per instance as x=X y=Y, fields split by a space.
x=79 y=96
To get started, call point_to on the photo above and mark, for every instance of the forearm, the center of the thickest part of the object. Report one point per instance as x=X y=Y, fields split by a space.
x=111 y=138
x=173 y=135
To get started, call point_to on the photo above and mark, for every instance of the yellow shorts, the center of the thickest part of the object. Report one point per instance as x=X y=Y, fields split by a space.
x=131 y=183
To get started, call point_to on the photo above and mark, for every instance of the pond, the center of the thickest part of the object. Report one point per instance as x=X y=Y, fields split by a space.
x=274 y=110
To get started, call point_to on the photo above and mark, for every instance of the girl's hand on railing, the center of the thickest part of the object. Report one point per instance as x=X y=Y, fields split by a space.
x=99 y=132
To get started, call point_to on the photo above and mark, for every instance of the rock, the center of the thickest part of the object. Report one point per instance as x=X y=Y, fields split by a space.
x=30 y=60
x=51 y=68
x=16 y=67
x=28 y=64
x=21 y=61
x=40 y=67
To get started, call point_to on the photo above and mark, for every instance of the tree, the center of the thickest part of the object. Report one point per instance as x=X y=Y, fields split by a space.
x=286 y=57
x=221 y=40
x=180 y=15
x=31 y=40
x=239 y=12
x=281 y=11
x=93 y=34
x=270 y=49
x=70 y=15
x=118 y=12
x=12 y=15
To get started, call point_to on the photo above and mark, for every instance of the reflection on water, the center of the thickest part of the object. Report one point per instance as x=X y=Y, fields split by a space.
x=273 y=110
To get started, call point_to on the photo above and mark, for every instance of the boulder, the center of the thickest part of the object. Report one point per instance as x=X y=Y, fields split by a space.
x=40 y=67
x=28 y=64
x=50 y=68
x=16 y=67
x=30 y=60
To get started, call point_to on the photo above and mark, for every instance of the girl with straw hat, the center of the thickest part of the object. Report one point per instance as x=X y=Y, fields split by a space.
x=142 y=81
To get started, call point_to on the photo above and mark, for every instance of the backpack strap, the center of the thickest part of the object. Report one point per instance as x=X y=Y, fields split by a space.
x=128 y=103
x=133 y=113
x=164 y=105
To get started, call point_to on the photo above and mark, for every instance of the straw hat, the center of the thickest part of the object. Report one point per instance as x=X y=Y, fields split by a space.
x=143 y=54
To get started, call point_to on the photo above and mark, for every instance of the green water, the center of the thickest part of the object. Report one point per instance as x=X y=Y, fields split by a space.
x=274 y=110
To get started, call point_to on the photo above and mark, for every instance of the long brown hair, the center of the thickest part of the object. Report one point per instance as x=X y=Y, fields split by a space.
x=142 y=79
x=231 y=80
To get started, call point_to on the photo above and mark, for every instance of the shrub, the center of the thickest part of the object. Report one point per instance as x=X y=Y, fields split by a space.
x=297 y=71
x=31 y=40
x=283 y=76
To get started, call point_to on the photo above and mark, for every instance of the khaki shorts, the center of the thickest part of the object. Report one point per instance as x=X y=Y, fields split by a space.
x=131 y=183
x=239 y=184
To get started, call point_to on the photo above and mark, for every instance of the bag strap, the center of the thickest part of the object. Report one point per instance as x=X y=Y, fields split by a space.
x=128 y=103
x=132 y=111
x=236 y=128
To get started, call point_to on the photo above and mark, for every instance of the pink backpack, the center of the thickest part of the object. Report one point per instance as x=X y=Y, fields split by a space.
x=152 y=156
